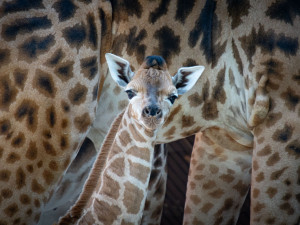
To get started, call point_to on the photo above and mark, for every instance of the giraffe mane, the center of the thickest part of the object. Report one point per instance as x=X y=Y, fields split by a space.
x=76 y=211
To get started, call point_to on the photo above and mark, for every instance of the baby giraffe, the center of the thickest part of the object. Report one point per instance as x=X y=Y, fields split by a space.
x=116 y=189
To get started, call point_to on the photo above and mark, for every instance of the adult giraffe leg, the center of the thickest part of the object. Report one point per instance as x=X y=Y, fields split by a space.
x=219 y=179
x=276 y=168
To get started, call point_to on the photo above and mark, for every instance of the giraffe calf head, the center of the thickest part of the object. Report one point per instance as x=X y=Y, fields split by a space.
x=151 y=89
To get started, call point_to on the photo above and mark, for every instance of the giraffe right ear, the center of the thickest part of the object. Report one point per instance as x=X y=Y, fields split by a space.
x=119 y=69
x=186 y=77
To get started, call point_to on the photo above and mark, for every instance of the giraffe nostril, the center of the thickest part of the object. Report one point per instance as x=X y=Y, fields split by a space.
x=147 y=112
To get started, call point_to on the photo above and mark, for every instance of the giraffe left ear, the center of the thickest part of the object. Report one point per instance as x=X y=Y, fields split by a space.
x=119 y=69
x=186 y=77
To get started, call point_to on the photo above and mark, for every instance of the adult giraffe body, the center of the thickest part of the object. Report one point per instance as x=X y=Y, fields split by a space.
x=244 y=103
x=243 y=46
x=49 y=75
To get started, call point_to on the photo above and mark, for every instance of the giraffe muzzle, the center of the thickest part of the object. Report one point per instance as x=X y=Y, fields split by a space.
x=152 y=111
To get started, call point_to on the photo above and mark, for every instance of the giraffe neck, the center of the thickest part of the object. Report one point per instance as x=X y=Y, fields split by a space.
x=128 y=153
x=127 y=169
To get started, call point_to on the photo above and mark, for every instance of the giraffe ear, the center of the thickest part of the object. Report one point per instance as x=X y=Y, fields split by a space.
x=119 y=69
x=186 y=77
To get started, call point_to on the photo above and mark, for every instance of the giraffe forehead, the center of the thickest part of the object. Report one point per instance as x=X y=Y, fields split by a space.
x=146 y=80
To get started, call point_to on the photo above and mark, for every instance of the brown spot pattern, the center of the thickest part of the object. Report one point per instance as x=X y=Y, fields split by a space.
x=6 y=193
x=271 y=192
x=18 y=141
x=241 y=188
x=104 y=215
x=284 y=134
x=65 y=106
x=25 y=199
x=195 y=99
x=28 y=109
x=228 y=178
x=48 y=177
x=44 y=83
x=64 y=123
x=20 y=77
x=276 y=174
x=4 y=127
x=217 y=193
x=29 y=168
x=12 y=157
x=293 y=148
x=56 y=58
x=210 y=110
x=273 y=159
x=138 y=171
x=135 y=134
x=77 y=95
x=53 y=165
x=172 y=114
x=49 y=149
x=260 y=177
x=272 y=118
x=4 y=56
x=117 y=167
x=8 y=92
x=124 y=138
x=20 y=178
x=187 y=121
x=170 y=132
x=218 y=93
x=82 y=122
x=291 y=98
x=287 y=208
x=11 y=210
x=265 y=151
x=206 y=207
x=64 y=71
x=209 y=184
x=256 y=193
x=51 y=116
x=236 y=10
x=89 y=67
x=142 y=153
x=64 y=142
x=107 y=188
x=36 y=187
x=133 y=197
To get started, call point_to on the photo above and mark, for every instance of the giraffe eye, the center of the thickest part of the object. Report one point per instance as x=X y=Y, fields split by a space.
x=130 y=94
x=172 y=98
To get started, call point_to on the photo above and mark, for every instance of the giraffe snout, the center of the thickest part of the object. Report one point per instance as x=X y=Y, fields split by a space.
x=152 y=111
